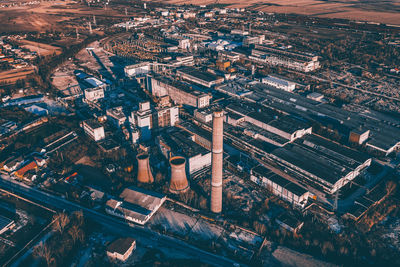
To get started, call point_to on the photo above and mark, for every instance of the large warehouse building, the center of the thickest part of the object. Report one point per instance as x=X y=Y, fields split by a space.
x=289 y=59
x=280 y=186
x=135 y=204
x=202 y=78
x=324 y=165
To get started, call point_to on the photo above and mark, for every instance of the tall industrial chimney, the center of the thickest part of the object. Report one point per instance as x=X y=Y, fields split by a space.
x=179 y=182
x=217 y=160
x=144 y=173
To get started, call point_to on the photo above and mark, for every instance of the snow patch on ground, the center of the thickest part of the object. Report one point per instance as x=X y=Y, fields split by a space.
x=288 y=257
x=173 y=221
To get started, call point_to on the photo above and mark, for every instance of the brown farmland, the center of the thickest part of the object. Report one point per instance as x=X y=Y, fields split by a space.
x=364 y=10
x=11 y=76
x=50 y=16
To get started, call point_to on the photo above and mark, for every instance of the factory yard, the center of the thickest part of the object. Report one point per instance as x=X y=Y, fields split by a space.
x=65 y=80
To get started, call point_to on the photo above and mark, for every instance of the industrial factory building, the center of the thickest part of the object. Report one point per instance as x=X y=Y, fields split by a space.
x=280 y=57
x=180 y=143
x=280 y=186
x=198 y=134
x=376 y=130
x=116 y=116
x=166 y=114
x=139 y=69
x=284 y=126
x=205 y=115
x=279 y=82
x=94 y=94
x=135 y=204
x=121 y=249
x=205 y=79
x=180 y=93
x=323 y=164
x=93 y=129
x=145 y=119
x=228 y=55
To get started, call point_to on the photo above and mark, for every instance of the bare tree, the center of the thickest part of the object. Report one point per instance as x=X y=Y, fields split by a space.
x=266 y=204
x=259 y=227
x=344 y=250
x=43 y=251
x=79 y=217
x=76 y=233
x=159 y=177
x=390 y=187
x=187 y=197
x=61 y=221
x=203 y=203
x=326 y=247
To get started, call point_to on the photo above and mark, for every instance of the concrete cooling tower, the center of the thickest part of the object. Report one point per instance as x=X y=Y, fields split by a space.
x=179 y=182
x=144 y=173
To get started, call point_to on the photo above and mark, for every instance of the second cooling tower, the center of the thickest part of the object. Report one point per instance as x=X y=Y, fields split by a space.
x=179 y=182
x=217 y=161
x=144 y=173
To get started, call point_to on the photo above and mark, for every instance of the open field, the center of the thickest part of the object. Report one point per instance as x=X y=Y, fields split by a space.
x=11 y=76
x=50 y=16
x=41 y=48
x=374 y=11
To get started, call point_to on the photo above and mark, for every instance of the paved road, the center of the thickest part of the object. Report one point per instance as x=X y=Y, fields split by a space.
x=143 y=235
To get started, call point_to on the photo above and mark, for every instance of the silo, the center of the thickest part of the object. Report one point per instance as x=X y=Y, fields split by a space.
x=179 y=182
x=144 y=173
x=217 y=161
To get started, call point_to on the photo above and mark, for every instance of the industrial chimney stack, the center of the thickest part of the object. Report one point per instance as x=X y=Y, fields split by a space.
x=144 y=173
x=179 y=182
x=217 y=160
